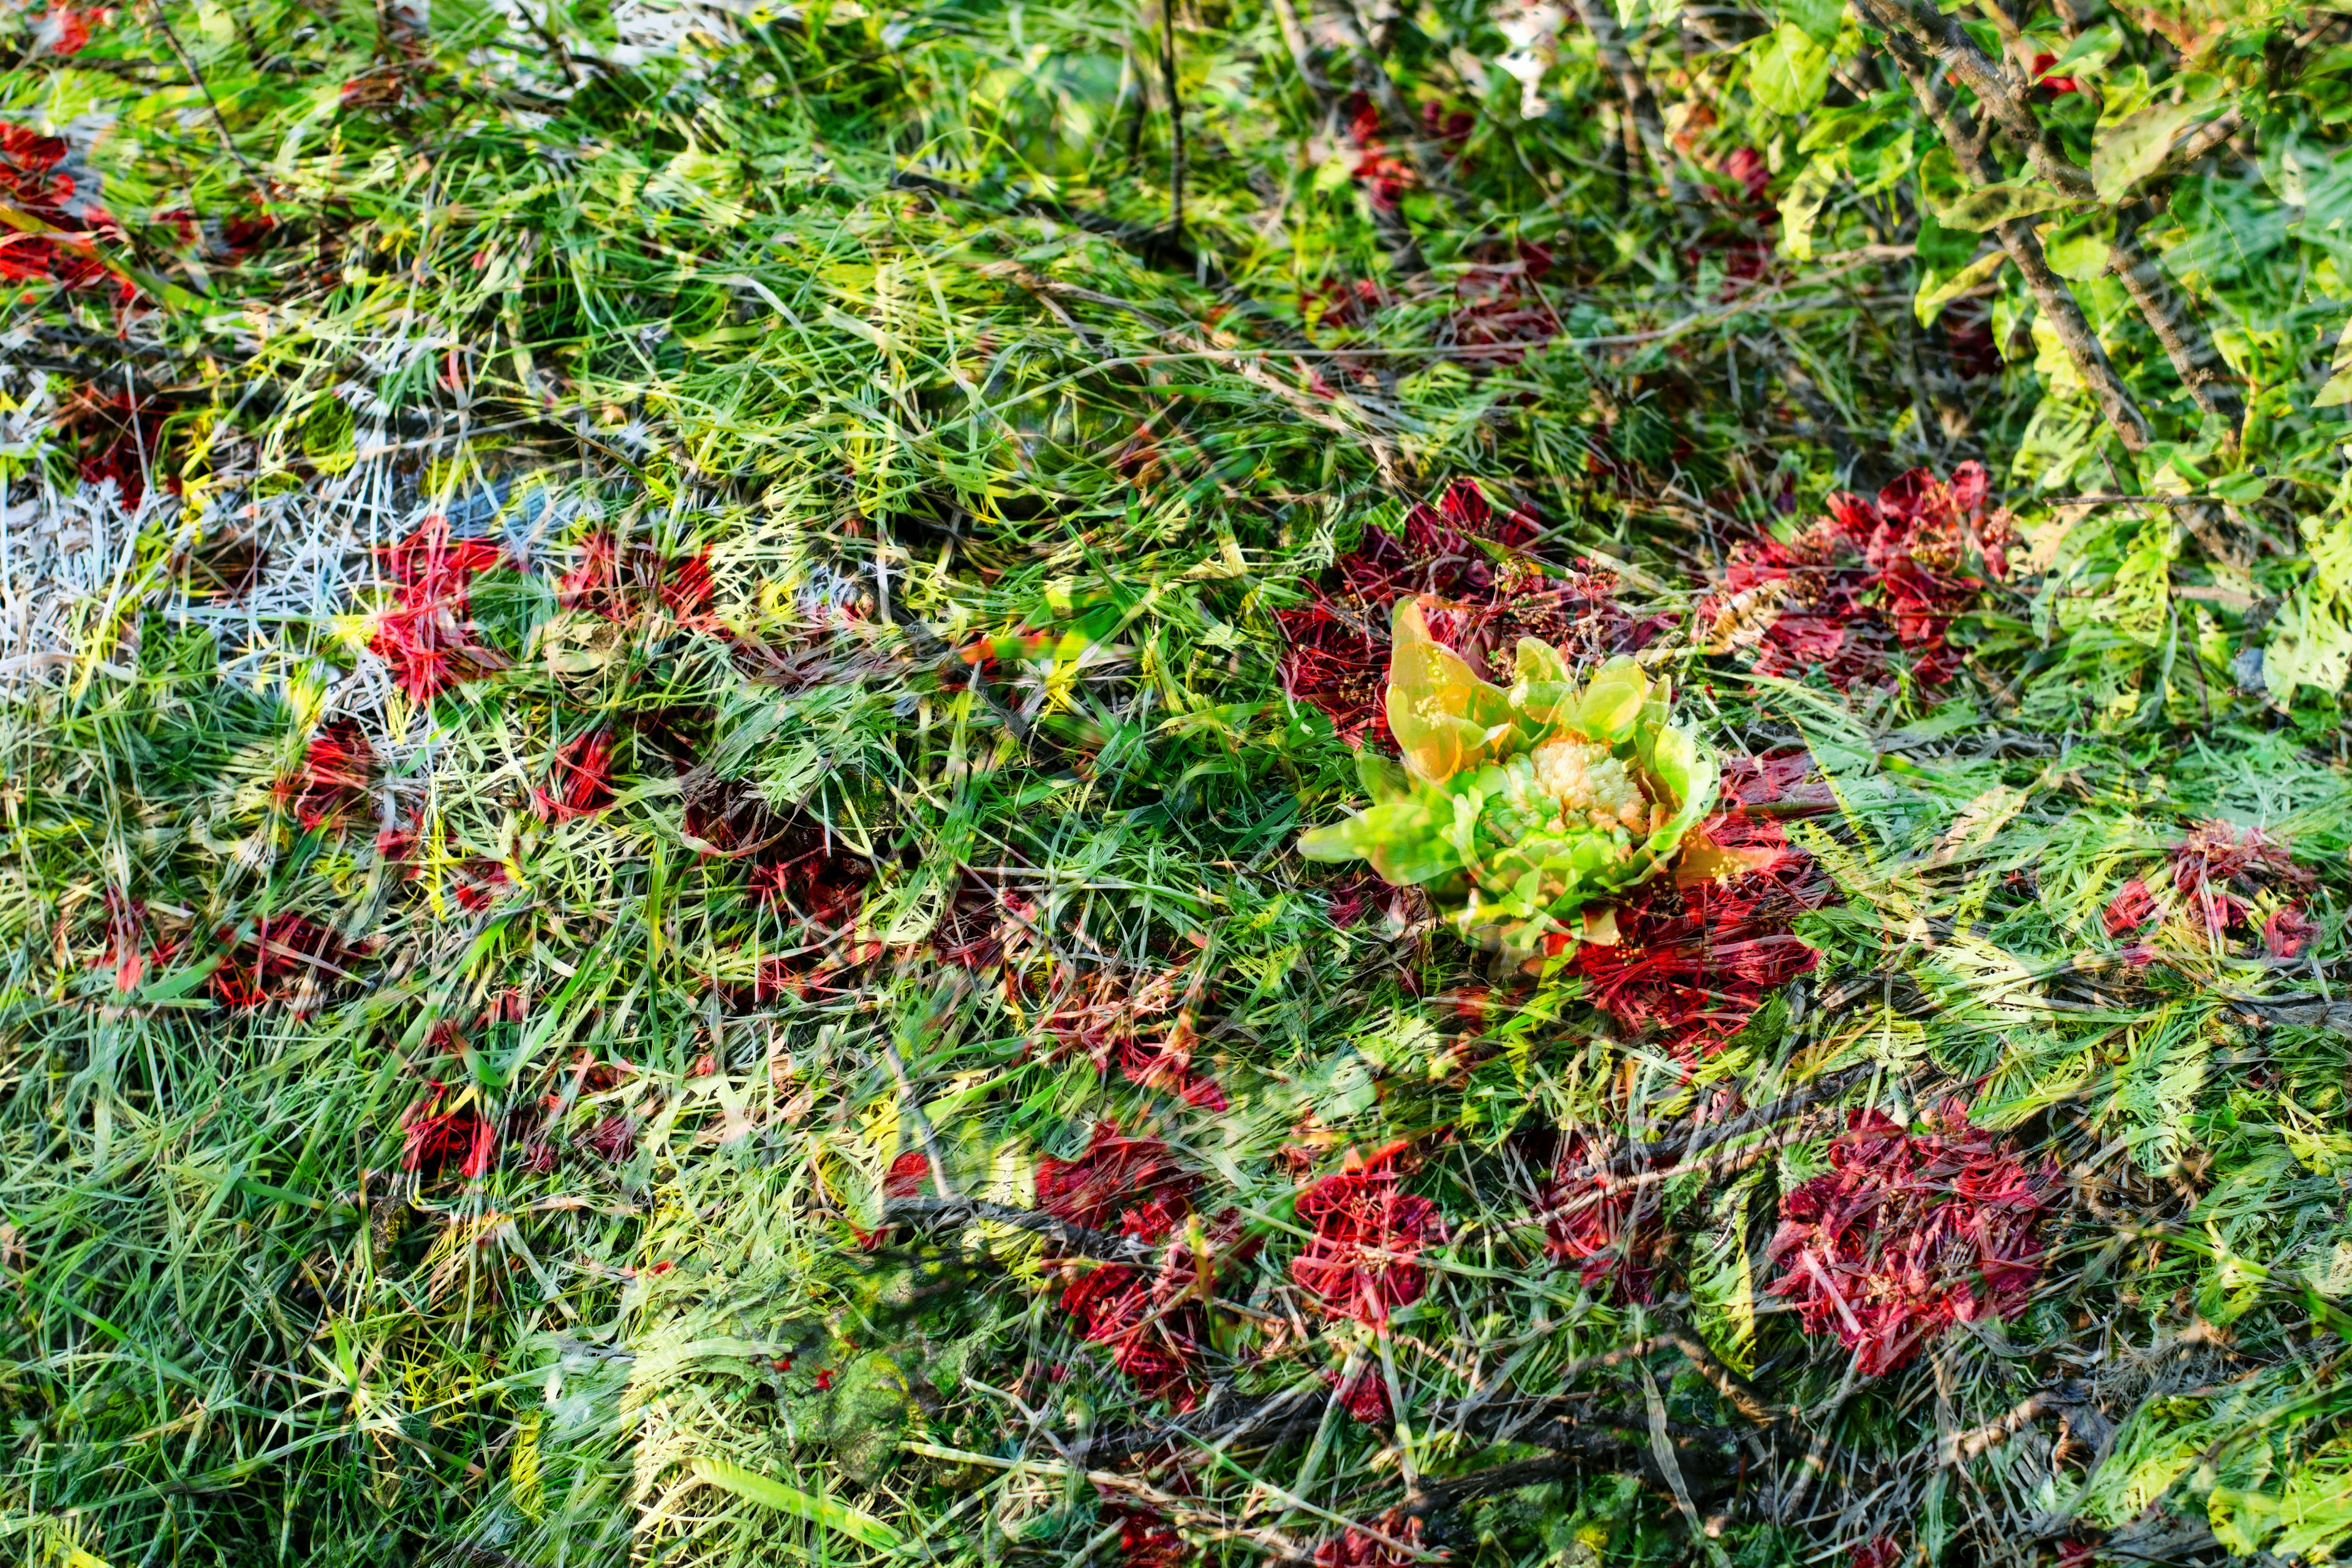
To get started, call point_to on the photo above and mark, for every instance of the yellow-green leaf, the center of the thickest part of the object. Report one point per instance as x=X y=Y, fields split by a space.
x=769 y=1493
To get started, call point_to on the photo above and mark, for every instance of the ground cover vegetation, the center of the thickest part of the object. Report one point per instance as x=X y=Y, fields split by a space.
x=666 y=669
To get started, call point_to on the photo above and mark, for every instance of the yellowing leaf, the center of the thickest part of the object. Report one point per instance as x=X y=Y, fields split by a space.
x=819 y=1510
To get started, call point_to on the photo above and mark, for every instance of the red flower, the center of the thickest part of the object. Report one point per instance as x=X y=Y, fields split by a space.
x=2287 y=932
x=579 y=781
x=1364 y=1260
x=824 y=1379
x=1909 y=1233
x=1873 y=577
x=2132 y=908
x=2053 y=85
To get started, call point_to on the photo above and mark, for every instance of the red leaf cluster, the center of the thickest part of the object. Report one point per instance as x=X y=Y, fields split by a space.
x=1148 y=1541
x=1695 y=962
x=435 y=1138
x=32 y=181
x=1151 y=1317
x=1365 y=1395
x=1355 y=1548
x=616 y=582
x=1336 y=656
x=579 y=779
x=2287 y=932
x=2217 y=869
x=1364 y=1261
x=289 y=958
x=1382 y=175
x=1608 y=1232
x=1500 y=311
x=120 y=437
x=2131 y=909
x=131 y=951
x=426 y=636
x=1874 y=578
x=1908 y=1233
x=336 y=770
x=1878 y=1552
x=811 y=872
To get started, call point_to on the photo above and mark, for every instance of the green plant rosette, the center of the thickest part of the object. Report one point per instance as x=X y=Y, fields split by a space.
x=1465 y=818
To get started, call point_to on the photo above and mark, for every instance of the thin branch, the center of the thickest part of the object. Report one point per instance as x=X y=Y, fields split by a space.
x=1634 y=84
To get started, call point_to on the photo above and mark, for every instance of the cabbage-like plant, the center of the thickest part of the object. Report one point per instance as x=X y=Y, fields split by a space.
x=1523 y=811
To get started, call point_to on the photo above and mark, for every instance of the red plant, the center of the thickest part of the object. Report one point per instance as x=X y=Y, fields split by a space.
x=1908 y=1233
x=1338 y=652
x=1596 y=1223
x=814 y=874
x=1873 y=578
x=64 y=250
x=612 y=1139
x=579 y=779
x=2287 y=932
x=1695 y=959
x=2217 y=868
x=1357 y=1548
x=120 y=437
x=288 y=957
x=1152 y=1318
x=424 y=637
x=1364 y=1396
x=1500 y=311
x=1113 y=1173
x=2132 y=906
x=435 y=1137
x=336 y=770
x=1364 y=1260
x=2053 y=85
x=1382 y=176
x=613 y=582
x=1148 y=1541
x=1878 y=1552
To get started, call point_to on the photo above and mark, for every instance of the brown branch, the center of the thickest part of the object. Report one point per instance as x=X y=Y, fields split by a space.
x=1599 y=19
x=2171 y=318
x=2018 y=236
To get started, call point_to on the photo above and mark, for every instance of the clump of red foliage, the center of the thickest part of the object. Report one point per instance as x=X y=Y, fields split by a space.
x=334 y=776
x=2132 y=906
x=1356 y=1548
x=1152 y=1315
x=131 y=948
x=120 y=437
x=2218 y=870
x=1382 y=175
x=1694 y=962
x=32 y=182
x=1908 y=1233
x=435 y=1138
x=1878 y=1552
x=616 y=582
x=1363 y=1262
x=426 y=636
x=579 y=779
x=1500 y=311
x=289 y=958
x=1338 y=652
x=1364 y=1396
x=1608 y=1231
x=1146 y=1539
x=1874 y=578
x=813 y=873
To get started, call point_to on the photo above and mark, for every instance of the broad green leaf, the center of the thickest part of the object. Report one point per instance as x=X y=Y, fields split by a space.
x=1934 y=296
x=1789 y=71
x=1800 y=205
x=771 y=1494
x=1818 y=20
x=2338 y=389
x=1979 y=210
x=2135 y=146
